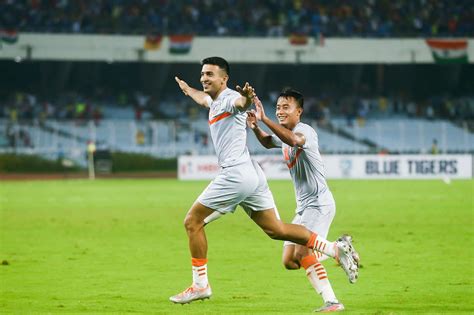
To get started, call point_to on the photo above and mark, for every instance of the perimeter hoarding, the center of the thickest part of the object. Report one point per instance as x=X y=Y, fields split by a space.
x=346 y=166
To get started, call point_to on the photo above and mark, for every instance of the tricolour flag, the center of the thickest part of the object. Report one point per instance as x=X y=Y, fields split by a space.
x=180 y=44
x=298 y=39
x=448 y=50
x=9 y=36
x=152 y=42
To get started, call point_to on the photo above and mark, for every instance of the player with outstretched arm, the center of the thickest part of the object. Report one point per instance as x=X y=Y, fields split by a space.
x=240 y=181
x=315 y=204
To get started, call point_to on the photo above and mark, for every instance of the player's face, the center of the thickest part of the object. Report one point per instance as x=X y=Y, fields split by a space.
x=213 y=79
x=288 y=112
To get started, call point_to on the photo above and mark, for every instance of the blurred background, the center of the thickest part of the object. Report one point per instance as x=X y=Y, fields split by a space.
x=87 y=90
x=379 y=77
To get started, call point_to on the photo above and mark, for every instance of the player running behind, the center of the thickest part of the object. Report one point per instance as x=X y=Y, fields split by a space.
x=240 y=181
x=315 y=204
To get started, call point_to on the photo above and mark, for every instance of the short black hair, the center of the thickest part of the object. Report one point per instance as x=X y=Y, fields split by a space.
x=290 y=92
x=217 y=61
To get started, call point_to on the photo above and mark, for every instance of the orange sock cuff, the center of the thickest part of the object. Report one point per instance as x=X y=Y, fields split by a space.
x=308 y=261
x=198 y=262
x=311 y=241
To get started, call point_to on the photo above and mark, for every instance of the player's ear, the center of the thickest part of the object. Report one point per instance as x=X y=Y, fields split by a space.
x=300 y=111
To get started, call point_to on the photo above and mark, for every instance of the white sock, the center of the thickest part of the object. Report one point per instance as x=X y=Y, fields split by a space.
x=320 y=256
x=200 y=276
x=324 y=246
x=318 y=278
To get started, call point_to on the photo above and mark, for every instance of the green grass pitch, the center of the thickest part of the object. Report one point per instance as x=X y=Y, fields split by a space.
x=118 y=246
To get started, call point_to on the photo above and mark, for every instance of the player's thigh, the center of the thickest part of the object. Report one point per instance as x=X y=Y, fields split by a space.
x=296 y=220
x=268 y=220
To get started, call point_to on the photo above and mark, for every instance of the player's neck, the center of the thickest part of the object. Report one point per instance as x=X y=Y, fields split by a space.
x=291 y=126
x=216 y=95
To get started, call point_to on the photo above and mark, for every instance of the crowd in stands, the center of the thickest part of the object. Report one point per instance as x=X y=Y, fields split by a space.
x=332 y=18
x=358 y=109
x=73 y=106
x=28 y=107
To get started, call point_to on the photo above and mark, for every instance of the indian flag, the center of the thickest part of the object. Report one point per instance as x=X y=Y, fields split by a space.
x=152 y=42
x=180 y=44
x=9 y=36
x=298 y=39
x=448 y=50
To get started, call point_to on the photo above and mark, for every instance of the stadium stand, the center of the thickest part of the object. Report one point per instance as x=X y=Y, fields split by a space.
x=399 y=18
x=170 y=138
x=356 y=108
x=404 y=135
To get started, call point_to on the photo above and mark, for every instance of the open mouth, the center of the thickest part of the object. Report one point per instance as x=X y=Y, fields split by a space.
x=281 y=118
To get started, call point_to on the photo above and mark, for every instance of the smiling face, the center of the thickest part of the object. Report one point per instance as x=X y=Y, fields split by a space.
x=213 y=79
x=288 y=112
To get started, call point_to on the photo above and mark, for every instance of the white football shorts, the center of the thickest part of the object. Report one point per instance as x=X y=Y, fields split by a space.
x=244 y=184
x=316 y=219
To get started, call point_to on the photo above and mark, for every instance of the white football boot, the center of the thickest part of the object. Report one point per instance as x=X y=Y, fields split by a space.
x=192 y=294
x=345 y=259
x=330 y=307
x=355 y=254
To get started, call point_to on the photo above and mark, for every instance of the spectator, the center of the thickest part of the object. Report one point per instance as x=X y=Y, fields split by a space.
x=434 y=147
x=365 y=18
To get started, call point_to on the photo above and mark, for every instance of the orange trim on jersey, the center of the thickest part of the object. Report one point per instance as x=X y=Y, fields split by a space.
x=292 y=163
x=219 y=117
x=285 y=154
x=322 y=278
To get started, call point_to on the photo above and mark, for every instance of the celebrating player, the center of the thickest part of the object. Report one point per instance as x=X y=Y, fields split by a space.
x=315 y=204
x=240 y=181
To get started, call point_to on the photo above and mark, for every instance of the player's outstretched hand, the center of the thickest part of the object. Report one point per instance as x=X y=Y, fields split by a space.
x=251 y=119
x=182 y=85
x=260 y=113
x=247 y=91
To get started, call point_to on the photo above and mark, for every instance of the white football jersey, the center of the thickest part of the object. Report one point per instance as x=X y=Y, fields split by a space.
x=228 y=129
x=306 y=169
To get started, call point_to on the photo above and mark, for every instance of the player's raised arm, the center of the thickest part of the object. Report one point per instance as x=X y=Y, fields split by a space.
x=264 y=138
x=247 y=94
x=286 y=135
x=199 y=97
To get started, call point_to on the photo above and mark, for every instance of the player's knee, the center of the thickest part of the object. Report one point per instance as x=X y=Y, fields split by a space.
x=291 y=264
x=191 y=224
x=300 y=252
